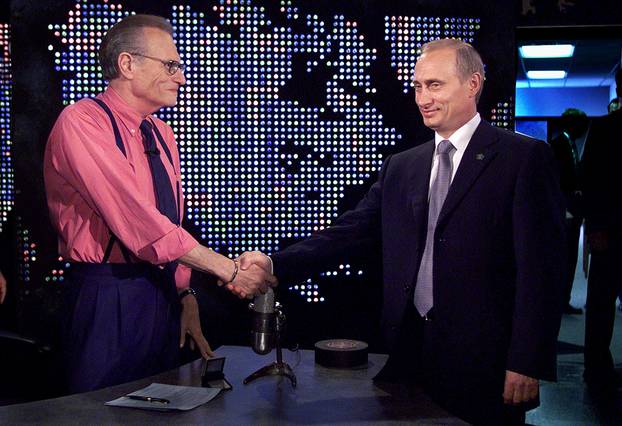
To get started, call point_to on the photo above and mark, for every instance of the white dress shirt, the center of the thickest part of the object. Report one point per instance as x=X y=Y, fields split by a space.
x=460 y=140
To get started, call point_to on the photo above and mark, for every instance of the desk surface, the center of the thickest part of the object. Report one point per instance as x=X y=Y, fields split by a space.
x=323 y=396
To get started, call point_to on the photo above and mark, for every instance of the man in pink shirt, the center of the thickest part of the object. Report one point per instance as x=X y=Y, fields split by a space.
x=113 y=184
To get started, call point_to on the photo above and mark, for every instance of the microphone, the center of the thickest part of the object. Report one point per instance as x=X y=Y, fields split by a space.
x=264 y=323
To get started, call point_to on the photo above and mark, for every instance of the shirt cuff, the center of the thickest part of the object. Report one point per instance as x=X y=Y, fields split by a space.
x=182 y=277
x=168 y=248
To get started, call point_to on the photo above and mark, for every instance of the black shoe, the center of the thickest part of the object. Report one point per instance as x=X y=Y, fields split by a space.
x=571 y=310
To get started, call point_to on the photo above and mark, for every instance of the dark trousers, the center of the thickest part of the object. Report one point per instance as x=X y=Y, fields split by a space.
x=121 y=323
x=573 y=232
x=603 y=286
x=408 y=363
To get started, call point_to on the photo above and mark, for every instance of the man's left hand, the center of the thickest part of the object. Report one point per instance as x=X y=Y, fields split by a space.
x=191 y=325
x=519 y=389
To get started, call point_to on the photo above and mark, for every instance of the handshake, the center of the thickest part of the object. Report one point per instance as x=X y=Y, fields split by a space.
x=254 y=275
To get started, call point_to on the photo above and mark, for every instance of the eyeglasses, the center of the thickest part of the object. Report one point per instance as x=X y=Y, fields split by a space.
x=171 y=66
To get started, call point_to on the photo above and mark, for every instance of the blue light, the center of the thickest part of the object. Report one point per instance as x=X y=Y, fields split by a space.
x=547 y=51
x=546 y=75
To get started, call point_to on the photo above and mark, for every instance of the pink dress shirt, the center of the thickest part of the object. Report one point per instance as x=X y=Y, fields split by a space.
x=92 y=189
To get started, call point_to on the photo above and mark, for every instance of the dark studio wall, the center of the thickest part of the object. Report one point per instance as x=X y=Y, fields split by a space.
x=350 y=307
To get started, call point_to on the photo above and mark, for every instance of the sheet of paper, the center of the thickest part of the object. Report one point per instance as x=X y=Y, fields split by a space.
x=179 y=397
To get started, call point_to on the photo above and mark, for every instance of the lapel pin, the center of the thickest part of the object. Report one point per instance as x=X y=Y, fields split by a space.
x=479 y=156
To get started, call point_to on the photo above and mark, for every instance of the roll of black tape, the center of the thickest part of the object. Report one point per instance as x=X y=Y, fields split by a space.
x=341 y=353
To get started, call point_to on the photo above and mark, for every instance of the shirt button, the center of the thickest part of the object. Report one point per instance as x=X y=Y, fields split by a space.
x=132 y=131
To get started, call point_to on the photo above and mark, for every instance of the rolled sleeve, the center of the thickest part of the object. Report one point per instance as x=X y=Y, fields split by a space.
x=170 y=247
x=182 y=277
x=93 y=190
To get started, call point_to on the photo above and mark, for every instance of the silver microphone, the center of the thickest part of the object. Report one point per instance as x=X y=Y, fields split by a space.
x=264 y=323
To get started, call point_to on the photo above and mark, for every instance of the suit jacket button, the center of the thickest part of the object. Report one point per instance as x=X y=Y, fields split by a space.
x=407 y=288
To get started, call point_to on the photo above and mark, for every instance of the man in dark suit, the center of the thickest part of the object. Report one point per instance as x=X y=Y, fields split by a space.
x=603 y=227
x=574 y=124
x=472 y=284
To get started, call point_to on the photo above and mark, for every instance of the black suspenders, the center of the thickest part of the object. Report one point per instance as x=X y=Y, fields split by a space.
x=115 y=128
x=119 y=142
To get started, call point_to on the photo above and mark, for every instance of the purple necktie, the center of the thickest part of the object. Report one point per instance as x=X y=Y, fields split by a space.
x=438 y=192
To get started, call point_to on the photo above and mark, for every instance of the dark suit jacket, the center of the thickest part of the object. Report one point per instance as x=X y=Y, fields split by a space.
x=498 y=258
x=603 y=184
x=569 y=174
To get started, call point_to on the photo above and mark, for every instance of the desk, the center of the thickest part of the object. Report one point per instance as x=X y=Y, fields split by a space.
x=323 y=396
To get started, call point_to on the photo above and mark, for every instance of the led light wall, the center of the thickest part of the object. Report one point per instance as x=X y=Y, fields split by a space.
x=407 y=34
x=7 y=193
x=261 y=164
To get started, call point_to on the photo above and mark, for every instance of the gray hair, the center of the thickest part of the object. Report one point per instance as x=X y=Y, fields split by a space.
x=468 y=60
x=126 y=36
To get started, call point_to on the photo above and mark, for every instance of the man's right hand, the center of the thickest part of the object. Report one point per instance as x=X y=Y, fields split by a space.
x=249 y=258
x=251 y=281
x=247 y=282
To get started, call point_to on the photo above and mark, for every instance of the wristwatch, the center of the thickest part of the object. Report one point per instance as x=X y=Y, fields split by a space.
x=186 y=292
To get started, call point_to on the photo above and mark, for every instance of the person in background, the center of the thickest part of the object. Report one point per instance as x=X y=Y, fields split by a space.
x=614 y=105
x=574 y=125
x=603 y=228
x=113 y=186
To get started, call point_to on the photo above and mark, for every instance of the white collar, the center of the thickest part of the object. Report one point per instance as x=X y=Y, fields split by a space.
x=461 y=137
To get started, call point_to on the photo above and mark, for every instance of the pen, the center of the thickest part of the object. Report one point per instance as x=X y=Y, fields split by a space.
x=148 y=399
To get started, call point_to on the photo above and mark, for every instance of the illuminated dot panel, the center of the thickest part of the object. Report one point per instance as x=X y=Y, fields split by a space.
x=7 y=177
x=27 y=251
x=81 y=36
x=58 y=273
x=503 y=114
x=259 y=166
x=406 y=35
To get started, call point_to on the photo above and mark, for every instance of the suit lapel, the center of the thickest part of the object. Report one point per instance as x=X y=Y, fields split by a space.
x=419 y=180
x=417 y=177
x=479 y=153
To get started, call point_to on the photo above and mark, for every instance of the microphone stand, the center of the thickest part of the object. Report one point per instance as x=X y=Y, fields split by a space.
x=278 y=368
